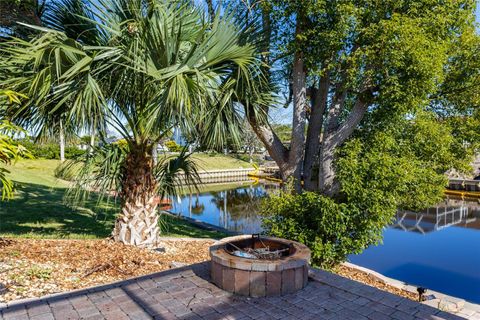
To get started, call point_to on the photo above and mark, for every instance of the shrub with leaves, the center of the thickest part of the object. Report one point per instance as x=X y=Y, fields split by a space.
x=330 y=229
x=173 y=146
x=50 y=150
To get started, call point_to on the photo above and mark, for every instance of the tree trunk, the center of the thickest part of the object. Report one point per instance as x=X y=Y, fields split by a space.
x=137 y=224
x=315 y=125
x=297 y=143
x=326 y=181
x=332 y=139
x=62 y=142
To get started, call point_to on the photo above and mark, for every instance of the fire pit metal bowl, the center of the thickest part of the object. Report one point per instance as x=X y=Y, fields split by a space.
x=255 y=266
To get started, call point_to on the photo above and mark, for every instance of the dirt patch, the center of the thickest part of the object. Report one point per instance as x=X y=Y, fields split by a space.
x=33 y=268
x=367 y=279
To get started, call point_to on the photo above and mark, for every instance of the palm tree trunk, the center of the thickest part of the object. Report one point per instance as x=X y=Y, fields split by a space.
x=62 y=142
x=137 y=224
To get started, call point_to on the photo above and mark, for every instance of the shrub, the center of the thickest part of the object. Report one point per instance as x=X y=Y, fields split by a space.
x=331 y=230
x=50 y=150
x=72 y=152
x=173 y=146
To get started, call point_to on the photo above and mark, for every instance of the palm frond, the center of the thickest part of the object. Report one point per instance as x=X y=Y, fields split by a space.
x=99 y=171
x=176 y=172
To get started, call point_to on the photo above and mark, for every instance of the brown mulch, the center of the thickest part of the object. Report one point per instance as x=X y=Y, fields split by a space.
x=367 y=279
x=33 y=268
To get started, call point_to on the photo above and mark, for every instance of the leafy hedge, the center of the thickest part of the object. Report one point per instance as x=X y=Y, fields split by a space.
x=50 y=150
x=173 y=146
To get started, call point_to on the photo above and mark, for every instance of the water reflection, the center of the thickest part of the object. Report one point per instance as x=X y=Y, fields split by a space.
x=233 y=207
x=439 y=251
x=452 y=212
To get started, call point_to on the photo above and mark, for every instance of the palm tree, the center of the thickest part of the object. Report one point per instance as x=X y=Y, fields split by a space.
x=159 y=64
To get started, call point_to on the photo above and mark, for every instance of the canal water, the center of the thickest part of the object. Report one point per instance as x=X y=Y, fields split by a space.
x=438 y=248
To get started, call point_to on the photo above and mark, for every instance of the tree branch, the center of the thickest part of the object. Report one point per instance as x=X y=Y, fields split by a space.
x=272 y=142
x=350 y=124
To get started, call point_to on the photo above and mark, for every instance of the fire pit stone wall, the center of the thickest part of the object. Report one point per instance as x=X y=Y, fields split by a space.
x=259 y=277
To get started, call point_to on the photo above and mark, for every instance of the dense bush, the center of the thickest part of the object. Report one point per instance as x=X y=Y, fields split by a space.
x=173 y=146
x=331 y=230
x=50 y=150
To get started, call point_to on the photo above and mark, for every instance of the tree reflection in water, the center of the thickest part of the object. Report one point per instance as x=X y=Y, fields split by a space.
x=241 y=205
x=234 y=207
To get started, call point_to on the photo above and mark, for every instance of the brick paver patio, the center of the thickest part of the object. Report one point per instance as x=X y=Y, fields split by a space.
x=186 y=293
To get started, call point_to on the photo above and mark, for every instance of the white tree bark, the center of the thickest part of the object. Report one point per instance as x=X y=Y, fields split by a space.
x=155 y=153
x=137 y=225
x=62 y=141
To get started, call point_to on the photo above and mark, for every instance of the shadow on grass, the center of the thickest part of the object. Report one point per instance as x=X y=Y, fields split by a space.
x=177 y=227
x=40 y=211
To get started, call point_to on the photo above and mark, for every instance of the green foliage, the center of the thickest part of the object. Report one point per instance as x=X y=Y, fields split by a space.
x=173 y=146
x=102 y=170
x=39 y=272
x=414 y=66
x=331 y=230
x=10 y=151
x=144 y=67
x=283 y=131
x=50 y=150
x=173 y=172
x=380 y=172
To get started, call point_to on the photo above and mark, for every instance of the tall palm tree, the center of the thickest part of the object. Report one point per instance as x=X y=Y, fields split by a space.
x=159 y=64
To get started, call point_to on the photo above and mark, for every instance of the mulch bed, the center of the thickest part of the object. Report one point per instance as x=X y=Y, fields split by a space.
x=34 y=268
x=367 y=279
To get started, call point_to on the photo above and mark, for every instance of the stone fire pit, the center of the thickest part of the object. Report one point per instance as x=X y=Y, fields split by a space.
x=256 y=266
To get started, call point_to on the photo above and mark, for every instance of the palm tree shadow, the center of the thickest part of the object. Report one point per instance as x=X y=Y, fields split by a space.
x=40 y=210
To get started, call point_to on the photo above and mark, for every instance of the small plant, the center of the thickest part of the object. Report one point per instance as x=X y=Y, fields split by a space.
x=173 y=146
x=20 y=290
x=39 y=273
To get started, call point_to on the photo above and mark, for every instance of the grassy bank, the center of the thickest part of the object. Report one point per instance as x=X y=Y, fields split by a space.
x=218 y=162
x=38 y=209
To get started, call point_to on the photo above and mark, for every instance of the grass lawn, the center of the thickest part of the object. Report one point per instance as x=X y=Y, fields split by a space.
x=38 y=209
x=218 y=161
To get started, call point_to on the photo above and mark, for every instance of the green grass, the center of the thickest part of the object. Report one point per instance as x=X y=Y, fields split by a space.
x=38 y=209
x=218 y=161
x=36 y=171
